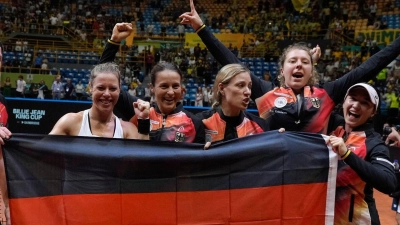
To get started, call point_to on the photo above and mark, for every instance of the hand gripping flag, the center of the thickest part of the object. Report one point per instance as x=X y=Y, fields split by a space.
x=269 y=178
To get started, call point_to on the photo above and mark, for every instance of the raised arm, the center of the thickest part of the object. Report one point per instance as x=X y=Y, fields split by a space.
x=120 y=32
x=4 y=135
x=220 y=52
x=124 y=107
x=363 y=73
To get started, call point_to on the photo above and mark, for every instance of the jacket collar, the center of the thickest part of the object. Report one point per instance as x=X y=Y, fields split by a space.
x=177 y=109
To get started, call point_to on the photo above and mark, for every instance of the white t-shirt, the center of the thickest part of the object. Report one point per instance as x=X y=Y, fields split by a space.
x=20 y=85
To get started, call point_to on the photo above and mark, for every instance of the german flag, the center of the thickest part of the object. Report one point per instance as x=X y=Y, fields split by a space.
x=270 y=178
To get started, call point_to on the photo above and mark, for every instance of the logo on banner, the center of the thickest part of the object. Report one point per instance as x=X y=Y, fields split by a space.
x=28 y=116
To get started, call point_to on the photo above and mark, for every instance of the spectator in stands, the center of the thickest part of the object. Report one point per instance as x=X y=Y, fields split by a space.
x=363 y=166
x=69 y=90
x=38 y=61
x=7 y=87
x=206 y=97
x=298 y=78
x=150 y=30
x=79 y=90
x=131 y=90
x=142 y=31
x=199 y=97
x=394 y=103
x=140 y=91
x=57 y=88
x=149 y=62
x=147 y=91
x=395 y=71
x=268 y=83
x=41 y=90
x=181 y=31
x=381 y=78
x=197 y=51
x=374 y=48
x=99 y=120
x=45 y=66
x=363 y=50
x=21 y=84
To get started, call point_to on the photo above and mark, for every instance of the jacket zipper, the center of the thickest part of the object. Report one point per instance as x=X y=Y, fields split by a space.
x=351 y=209
x=164 y=120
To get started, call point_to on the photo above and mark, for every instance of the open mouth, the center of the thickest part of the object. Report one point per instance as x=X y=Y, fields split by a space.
x=298 y=75
x=106 y=102
x=246 y=101
x=169 y=100
x=354 y=115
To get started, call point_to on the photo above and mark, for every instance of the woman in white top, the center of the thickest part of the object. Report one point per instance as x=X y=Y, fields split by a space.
x=132 y=90
x=210 y=94
x=20 y=91
x=79 y=89
x=99 y=120
x=199 y=97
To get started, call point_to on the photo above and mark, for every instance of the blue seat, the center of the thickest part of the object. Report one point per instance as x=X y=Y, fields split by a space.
x=79 y=76
x=125 y=87
x=87 y=59
x=72 y=59
x=192 y=90
x=69 y=75
x=84 y=81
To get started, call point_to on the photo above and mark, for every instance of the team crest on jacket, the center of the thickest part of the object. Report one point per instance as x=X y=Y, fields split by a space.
x=280 y=102
x=316 y=102
x=179 y=137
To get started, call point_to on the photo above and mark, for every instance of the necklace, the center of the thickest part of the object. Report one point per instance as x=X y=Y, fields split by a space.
x=104 y=127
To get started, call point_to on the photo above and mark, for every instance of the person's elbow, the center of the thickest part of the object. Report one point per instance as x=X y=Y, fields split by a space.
x=389 y=186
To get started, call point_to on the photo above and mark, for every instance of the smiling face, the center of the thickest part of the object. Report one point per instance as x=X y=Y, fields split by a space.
x=105 y=91
x=357 y=108
x=297 y=69
x=236 y=94
x=167 y=90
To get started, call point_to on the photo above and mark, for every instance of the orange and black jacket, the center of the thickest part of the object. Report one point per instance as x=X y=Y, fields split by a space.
x=368 y=166
x=178 y=126
x=310 y=110
x=222 y=128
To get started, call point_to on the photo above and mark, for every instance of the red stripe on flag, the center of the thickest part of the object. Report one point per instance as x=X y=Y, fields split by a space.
x=289 y=204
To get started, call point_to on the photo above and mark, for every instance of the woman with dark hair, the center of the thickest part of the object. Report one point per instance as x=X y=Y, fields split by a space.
x=199 y=97
x=169 y=121
x=364 y=164
x=300 y=104
x=7 y=87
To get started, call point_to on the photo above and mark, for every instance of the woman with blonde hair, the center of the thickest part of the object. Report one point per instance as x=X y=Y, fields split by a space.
x=99 y=120
x=228 y=118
